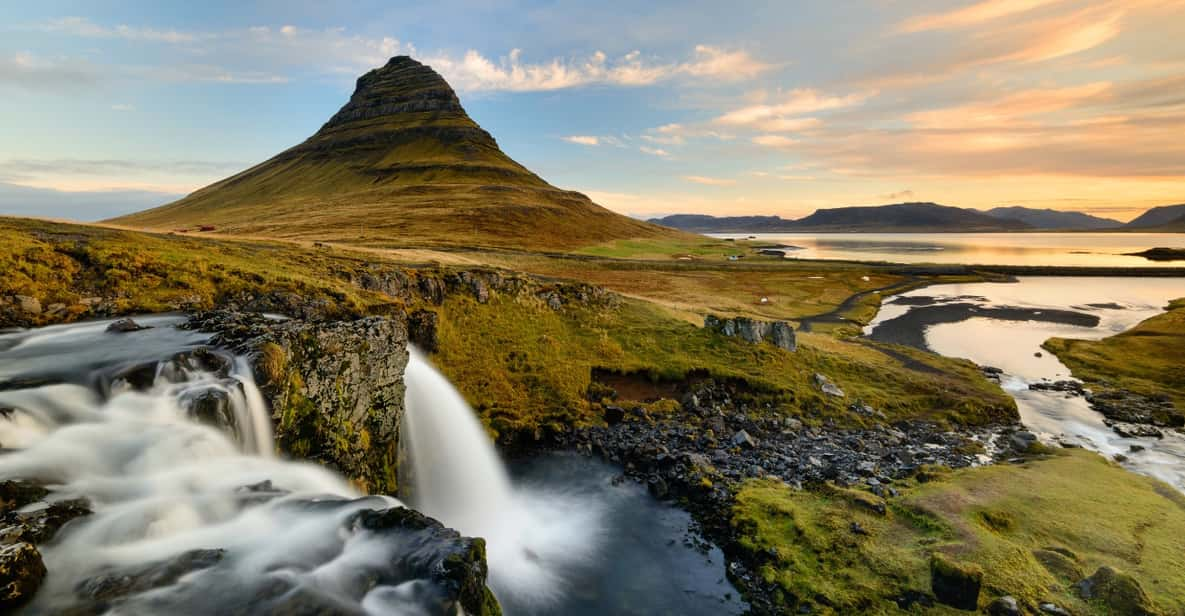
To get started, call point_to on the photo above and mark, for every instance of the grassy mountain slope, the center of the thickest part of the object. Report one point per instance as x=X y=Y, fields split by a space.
x=1054 y=219
x=400 y=164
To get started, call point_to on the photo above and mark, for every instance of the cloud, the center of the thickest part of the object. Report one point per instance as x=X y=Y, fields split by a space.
x=583 y=139
x=973 y=15
x=654 y=151
x=774 y=141
x=86 y=206
x=901 y=194
x=708 y=181
x=796 y=102
x=33 y=73
x=1012 y=110
x=723 y=64
x=123 y=107
x=105 y=175
x=79 y=26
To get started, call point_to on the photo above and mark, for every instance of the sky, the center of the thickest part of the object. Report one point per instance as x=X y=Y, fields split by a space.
x=650 y=108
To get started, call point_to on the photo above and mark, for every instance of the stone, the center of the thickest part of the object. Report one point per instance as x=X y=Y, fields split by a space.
x=1004 y=606
x=28 y=304
x=614 y=414
x=778 y=333
x=123 y=326
x=141 y=578
x=744 y=439
x=1052 y=609
x=782 y=336
x=1020 y=442
x=1120 y=593
x=21 y=573
x=955 y=584
x=1131 y=430
x=39 y=523
x=826 y=386
x=422 y=330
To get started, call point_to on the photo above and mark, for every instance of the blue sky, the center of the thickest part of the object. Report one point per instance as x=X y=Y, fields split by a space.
x=661 y=107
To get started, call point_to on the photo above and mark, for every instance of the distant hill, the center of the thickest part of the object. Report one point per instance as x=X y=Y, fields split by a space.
x=896 y=218
x=1166 y=217
x=1054 y=219
x=401 y=163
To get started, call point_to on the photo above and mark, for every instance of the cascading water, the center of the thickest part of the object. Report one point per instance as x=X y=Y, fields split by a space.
x=537 y=538
x=188 y=518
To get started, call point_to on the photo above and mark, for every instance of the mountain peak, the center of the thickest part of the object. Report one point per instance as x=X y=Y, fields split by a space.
x=400 y=163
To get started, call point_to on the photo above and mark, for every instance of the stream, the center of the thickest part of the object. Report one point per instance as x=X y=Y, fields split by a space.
x=195 y=513
x=1004 y=324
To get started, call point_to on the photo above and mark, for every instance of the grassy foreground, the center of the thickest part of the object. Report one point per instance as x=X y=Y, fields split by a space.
x=1147 y=359
x=1033 y=529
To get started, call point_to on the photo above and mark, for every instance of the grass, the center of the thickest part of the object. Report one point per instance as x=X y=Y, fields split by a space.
x=525 y=366
x=1005 y=519
x=1148 y=358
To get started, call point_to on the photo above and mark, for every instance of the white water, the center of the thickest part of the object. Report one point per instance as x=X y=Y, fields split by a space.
x=162 y=484
x=536 y=538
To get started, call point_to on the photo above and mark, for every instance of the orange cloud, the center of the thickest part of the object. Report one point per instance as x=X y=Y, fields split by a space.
x=972 y=15
x=1011 y=110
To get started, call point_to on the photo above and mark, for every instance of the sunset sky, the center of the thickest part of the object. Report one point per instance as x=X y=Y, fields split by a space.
x=650 y=108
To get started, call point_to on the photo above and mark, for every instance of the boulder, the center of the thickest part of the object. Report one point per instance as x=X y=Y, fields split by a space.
x=777 y=333
x=39 y=523
x=1020 y=442
x=1118 y=592
x=1053 y=609
x=743 y=439
x=21 y=572
x=826 y=386
x=1004 y=606
x=955 y=584
x=123 y=326
x=141 y=578
x=32 y=305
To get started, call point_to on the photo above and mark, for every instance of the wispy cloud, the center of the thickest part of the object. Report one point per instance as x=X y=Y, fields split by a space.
x=654 y=151
x=973 y=15
x=774 y=141
x=709 y=181
x=79 y=26
x=35 y=73
x=583 y=139
x=796 y=102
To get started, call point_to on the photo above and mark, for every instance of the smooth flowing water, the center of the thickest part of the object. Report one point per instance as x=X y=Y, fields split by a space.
x=1065 y=249
x=568 y=536
x=1004 y=324
x=219 y=524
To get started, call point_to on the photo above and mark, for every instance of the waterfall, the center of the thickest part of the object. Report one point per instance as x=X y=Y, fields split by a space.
x=538 y=538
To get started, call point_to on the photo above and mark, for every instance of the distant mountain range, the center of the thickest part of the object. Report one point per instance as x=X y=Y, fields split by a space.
x=928 y=218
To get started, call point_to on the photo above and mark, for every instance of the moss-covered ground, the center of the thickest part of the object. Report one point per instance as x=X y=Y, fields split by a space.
x=1034 y=529
x=1147 y=359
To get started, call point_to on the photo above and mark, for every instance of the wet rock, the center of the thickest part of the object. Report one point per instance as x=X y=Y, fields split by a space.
x=1052 y=609
x=422 y=330
x=1120 y=593
x=212 y=407
x=657 y=487
x=15 y=493
x=1066 y=386
x=28 y=304
x=40 y=522
x=123 y=326
x=1022 y=441
x=955 y=584
x=1128 y=407
x=1004 y=606
x=141 y=578
x=826 y=386
x=21 y=573
x=1130 y=430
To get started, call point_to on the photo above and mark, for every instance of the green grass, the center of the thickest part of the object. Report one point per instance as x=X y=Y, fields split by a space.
x=1004 y=519
x=527 y=367
x=1148 y=358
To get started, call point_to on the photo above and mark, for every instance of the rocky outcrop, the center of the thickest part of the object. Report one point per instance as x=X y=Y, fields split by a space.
x=1120 y=594
x=777 y=333
x=335 y=389
x=21 y=572
x=955 y=584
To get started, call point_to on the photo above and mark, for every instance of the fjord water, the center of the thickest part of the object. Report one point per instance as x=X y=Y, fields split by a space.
x=1049 y=249
x=957 y=320
x=564 y=536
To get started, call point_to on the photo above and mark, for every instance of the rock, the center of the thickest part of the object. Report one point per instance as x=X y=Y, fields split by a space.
x=777 y=333
x=141 y=578
x=955 y=584
x=55 y=309
x=657 y=487
x=1052 y=609
x=122 y=326
x=614 y=414
x=21 y=572
x=782 y=336
x=39 y=524
x=1004 y=606
x=212 y=407
x=28 y=304
x=826 y=386
x=1020 y=442
x=1120 y=593
x=1130 y=430
x=15 y=493
x=90 y=301
x=1038 y=354
x=422 y=330
x=743 y=439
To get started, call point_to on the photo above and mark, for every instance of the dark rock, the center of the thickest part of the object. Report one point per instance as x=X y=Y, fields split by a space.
x=422 y=330
x=955 y=584
x=1004 y=606
x=1130 y=430
x=1128 y=407
x=1022 y=441
x=141 y=578
x=1052 y=609
x=39 y=523
x=614 y=414
x=1120 y=593
x=657 y=487
x=15 y=493
x=743 y=439
x=777 y=333
x=122 y=326
x=211 y=407
x=21 y=573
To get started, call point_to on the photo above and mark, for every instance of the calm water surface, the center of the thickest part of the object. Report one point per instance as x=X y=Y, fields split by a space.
x=1014 y=345
x=1067 y=249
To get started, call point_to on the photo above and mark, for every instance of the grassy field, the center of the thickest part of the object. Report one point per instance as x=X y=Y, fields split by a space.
x=1034 y=529
x=1148 y=358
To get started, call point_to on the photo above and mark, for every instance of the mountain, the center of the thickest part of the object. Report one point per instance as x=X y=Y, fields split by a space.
x=401 y=163
x=896 y=218
x=1054 y=219
x=1170 y=217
